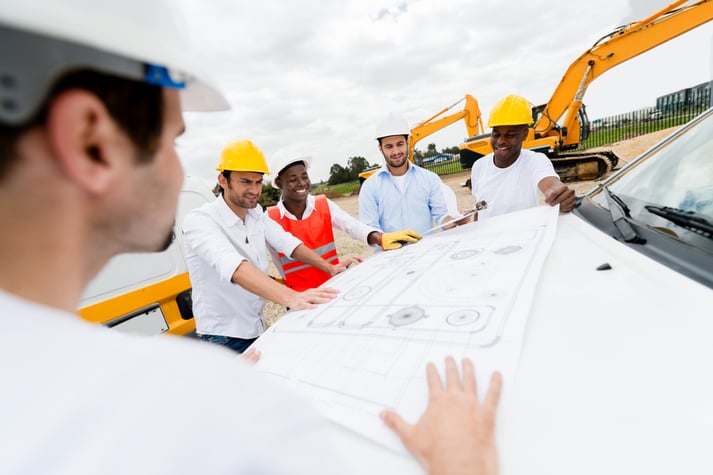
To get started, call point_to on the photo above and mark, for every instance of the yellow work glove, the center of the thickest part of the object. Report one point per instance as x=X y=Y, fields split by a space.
x=397 y=239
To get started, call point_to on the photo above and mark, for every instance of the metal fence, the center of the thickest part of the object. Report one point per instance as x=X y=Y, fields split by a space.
x=641 y=122
x=609 y=130
x=444 y=167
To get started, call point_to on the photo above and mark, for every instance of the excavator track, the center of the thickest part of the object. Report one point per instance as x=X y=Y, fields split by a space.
x=582 y=166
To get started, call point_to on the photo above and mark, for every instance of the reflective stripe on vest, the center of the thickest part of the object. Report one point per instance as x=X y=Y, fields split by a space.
x=316 y=233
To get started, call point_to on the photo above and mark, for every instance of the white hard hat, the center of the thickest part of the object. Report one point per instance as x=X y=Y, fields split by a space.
x=392 y=124
x=144 y=40
x=283 y=163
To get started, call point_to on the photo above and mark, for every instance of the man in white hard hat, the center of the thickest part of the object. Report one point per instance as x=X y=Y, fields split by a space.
x=510 y=178
x=402 y=195
x=313 y=219
x=225 y=243
x=89 y=111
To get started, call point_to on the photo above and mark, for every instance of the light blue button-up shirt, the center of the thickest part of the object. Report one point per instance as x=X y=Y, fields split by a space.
x=419 y=207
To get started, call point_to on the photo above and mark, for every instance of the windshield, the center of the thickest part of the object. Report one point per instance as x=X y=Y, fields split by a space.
x=679 y=175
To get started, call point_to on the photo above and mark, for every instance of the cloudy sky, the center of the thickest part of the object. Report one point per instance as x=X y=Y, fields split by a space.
x=313 y=77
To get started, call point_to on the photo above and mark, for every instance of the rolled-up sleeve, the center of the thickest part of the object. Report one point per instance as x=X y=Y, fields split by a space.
x=350 y=225
x=279 y=239
x=205 y=240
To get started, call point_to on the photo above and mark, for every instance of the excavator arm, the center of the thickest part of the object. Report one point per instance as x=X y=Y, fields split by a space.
x=624 y=43
x=562 y=125
x=470 y=114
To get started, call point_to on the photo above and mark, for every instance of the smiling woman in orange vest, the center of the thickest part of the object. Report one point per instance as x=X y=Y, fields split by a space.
x=312 y=219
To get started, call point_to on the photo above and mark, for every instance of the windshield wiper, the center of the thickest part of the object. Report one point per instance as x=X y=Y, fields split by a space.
x=690 y=220
x=619 y=212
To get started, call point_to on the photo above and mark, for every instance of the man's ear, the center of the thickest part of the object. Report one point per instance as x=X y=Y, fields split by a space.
x=222 y=181
x=87 y=144
x=277 y=182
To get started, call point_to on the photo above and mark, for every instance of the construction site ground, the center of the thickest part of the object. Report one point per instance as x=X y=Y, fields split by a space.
x=626 y=150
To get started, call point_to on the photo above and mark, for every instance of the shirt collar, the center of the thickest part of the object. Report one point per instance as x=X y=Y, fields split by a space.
x=384 y=169
x=229 y=217
x=308 y=210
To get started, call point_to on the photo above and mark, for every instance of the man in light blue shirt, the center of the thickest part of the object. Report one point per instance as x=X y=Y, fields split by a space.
x=401 y=195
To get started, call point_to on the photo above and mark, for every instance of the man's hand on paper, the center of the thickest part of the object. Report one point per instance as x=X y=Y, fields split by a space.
x=311 y=298
x=455 y=435
x=347 y=262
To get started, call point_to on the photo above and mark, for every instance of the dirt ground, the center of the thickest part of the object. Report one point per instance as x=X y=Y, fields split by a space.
x=346 y=246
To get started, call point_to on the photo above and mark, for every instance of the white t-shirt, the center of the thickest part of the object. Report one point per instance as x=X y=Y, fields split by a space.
x=512 y=188
x=78 y=398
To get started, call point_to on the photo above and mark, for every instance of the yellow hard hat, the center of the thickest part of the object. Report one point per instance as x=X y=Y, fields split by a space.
x=511 y=110
x=242 y=156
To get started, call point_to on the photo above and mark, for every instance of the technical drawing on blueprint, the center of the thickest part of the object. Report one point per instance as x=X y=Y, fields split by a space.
x=464 y=292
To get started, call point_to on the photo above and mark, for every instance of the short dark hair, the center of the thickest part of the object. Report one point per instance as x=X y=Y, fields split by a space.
x=137 y=108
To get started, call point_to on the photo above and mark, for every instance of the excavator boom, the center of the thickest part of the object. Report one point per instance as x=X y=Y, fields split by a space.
x=470 y=114
x=619 y=46
x=562 y=125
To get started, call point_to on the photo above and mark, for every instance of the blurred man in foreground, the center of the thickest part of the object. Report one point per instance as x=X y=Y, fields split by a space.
x=88 y=169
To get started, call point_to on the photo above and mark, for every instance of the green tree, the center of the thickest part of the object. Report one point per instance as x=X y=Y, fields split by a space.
x=431 y=150
x=356 y=165
x=338 y=174
x=270 y=195
x=454 y=150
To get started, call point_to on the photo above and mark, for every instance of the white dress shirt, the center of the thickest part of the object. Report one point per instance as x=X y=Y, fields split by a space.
x=216 y=242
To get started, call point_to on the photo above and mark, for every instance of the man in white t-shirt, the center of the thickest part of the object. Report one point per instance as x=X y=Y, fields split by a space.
x=511 y=179
x=88 y=170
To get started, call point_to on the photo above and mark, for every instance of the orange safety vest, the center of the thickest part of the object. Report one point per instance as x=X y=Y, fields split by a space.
x=316 y=233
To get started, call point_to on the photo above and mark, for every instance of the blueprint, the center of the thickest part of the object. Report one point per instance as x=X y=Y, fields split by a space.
x=465 y=292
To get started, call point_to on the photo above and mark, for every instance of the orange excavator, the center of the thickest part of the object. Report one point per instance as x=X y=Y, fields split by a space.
x=470 y=114
x=561 y=125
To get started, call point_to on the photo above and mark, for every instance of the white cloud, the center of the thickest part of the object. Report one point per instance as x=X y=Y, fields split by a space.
x=312 y=78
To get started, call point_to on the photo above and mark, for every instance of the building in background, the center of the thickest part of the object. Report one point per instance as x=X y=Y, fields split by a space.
x=691 y=97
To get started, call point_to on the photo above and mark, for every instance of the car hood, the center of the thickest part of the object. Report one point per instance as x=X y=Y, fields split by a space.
x=613 y=376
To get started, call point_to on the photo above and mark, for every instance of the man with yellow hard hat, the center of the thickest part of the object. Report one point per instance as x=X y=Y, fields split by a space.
x=225 y=244
x=510 y=178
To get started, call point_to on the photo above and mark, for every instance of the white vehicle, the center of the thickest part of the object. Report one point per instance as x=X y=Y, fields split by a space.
x=148 y=293
x=614 y=374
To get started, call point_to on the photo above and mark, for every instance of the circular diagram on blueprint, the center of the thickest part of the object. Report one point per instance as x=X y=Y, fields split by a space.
x=406 y=316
